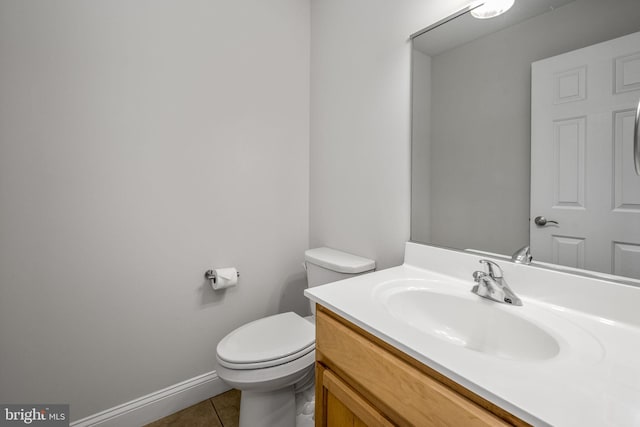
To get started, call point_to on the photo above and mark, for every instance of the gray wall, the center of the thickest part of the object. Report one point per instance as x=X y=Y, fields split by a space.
x=420 y=146
x=360 y=122
x=480 y=122
x=141 y=143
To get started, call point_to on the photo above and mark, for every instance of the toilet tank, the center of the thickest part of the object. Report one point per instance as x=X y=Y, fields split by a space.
x=325 y=265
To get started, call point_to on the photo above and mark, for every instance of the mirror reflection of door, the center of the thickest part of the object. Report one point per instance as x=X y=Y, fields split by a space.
x=582 y=114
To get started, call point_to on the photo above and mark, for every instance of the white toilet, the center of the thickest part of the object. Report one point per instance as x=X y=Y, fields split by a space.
x=271 y=359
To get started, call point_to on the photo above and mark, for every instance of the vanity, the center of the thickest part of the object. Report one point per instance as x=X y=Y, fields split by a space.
x=412 y=345
x=354 y=368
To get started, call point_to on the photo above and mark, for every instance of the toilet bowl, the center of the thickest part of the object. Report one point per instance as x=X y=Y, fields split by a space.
x=271 y=359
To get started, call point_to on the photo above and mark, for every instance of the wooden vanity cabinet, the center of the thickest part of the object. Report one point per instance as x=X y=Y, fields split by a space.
x=363 y=381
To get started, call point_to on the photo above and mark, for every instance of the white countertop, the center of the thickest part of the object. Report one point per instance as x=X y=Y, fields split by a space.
x=593 y=381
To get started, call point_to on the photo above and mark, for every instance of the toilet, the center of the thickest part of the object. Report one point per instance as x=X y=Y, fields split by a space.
x=271 y=359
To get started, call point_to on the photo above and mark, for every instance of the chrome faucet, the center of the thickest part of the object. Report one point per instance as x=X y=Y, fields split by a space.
x=522 y=255
x=491 y=284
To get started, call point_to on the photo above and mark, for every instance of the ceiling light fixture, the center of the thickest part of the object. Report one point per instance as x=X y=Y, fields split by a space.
x=492 y=8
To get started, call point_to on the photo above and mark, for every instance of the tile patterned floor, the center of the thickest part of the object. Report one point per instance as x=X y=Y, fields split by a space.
x=222 y=410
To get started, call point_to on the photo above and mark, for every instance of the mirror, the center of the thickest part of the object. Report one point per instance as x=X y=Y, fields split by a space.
x=530 y=114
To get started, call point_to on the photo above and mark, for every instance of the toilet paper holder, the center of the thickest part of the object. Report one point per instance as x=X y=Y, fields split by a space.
x=211 y=275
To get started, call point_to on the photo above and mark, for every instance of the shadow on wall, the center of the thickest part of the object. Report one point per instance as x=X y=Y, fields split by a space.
x=292 y=297
x=211 y=297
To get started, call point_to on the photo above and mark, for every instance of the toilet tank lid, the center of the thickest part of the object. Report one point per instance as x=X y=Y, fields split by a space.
x=339 y=261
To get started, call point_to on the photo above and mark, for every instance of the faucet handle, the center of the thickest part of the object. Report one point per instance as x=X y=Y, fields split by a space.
x=477 y=275
x=493 y=269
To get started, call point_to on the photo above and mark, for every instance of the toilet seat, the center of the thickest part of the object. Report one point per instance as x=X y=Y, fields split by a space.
x=267 y=342
x=266 y=379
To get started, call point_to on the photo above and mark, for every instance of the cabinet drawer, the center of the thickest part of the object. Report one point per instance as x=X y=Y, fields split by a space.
x=405 y=394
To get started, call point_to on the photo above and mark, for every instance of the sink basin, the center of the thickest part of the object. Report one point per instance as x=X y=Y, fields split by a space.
x=470 y=322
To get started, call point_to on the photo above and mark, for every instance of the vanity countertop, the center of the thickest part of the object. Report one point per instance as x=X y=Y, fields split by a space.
x=592 y=380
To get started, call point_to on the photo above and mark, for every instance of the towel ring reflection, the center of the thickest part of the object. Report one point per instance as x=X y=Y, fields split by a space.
x=636 y=140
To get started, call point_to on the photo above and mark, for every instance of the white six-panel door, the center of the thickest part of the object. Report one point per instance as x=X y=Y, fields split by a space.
x=582 y=173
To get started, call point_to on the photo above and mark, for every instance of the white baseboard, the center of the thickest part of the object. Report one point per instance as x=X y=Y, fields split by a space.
x=159 y=404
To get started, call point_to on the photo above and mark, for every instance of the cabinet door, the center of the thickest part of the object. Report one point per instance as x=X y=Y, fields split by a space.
x=338 y=405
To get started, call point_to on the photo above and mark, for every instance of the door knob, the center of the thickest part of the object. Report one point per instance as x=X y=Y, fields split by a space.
x=542 y=221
